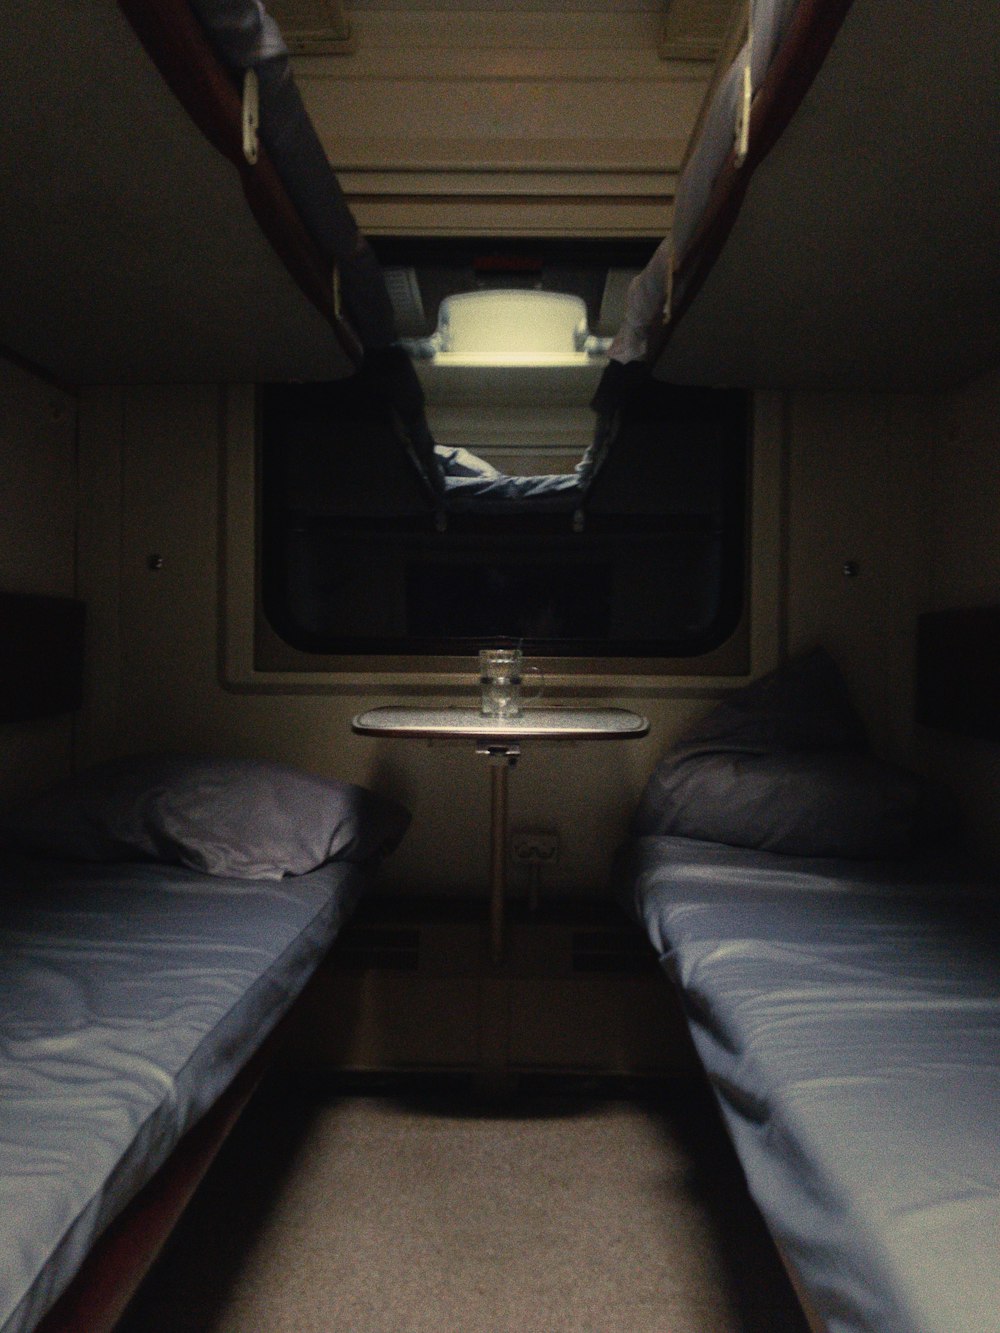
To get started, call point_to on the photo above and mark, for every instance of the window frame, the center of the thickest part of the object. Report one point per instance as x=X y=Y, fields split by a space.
x=254 y=658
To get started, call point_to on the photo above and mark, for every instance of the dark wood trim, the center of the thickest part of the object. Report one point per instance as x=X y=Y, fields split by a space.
x=813 y=30
x=178 y=46
x=99 y=1294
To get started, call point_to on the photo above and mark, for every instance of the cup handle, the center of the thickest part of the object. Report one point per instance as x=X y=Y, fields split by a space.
x=532 y=693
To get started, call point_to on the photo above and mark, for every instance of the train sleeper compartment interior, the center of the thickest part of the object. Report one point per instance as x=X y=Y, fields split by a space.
x=833 y=254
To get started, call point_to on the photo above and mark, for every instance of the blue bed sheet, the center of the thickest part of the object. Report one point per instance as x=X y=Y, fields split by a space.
x=133 y=994
x=848 y=1017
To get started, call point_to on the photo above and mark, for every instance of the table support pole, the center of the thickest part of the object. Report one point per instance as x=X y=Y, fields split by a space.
x=498 y=854
x=501 y=760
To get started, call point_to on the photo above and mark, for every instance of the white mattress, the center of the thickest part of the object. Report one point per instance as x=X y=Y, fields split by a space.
x=132 y=996
x=848 y=1016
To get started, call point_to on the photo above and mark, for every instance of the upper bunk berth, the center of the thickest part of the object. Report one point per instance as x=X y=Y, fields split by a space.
x=842 y=233
x=849 y=235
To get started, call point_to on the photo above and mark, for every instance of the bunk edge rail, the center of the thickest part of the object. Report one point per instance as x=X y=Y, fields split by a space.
x=179 y=48
x=811 y=34
x=97 y=1296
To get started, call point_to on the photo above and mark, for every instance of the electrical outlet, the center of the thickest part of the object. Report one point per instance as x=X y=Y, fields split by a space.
x=532 y=848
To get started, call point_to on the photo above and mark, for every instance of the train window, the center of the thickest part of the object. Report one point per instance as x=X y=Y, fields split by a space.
x=527 y=534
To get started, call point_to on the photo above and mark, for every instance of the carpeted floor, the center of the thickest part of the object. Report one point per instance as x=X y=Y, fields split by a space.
x=361 y=1214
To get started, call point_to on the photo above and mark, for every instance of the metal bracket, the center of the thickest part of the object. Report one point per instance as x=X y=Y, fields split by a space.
x=499 y=753
x=251 y=115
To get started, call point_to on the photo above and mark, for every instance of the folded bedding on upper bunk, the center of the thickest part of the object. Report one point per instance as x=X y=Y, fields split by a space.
x=472 y=484
x=848 y=1016
x=140 y=976
x=548 y=493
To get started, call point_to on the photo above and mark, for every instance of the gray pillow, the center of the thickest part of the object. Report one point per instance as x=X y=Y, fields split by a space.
x=782 y=765
x=803 y=705
x=825 y=803
x=240 y=818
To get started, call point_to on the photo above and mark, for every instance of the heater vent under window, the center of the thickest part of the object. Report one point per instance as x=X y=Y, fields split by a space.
x=387 y=948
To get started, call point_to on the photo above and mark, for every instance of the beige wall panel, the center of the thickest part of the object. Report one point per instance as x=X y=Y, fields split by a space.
x=506 y=42
x=510 y=215
x=964 y=561
x=169 y=490
x=37 y=546
x=482 y=124
x=840 y=506
x=857 y=465
x=171 y=641
x=514 y=183
x=519 y=441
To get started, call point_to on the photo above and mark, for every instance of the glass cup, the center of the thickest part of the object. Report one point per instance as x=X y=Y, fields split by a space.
x=501 y=678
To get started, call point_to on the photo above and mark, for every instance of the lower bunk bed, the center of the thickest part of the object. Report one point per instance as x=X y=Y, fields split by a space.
x=848 y=1018
x=147 y=969
x=840 y=977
